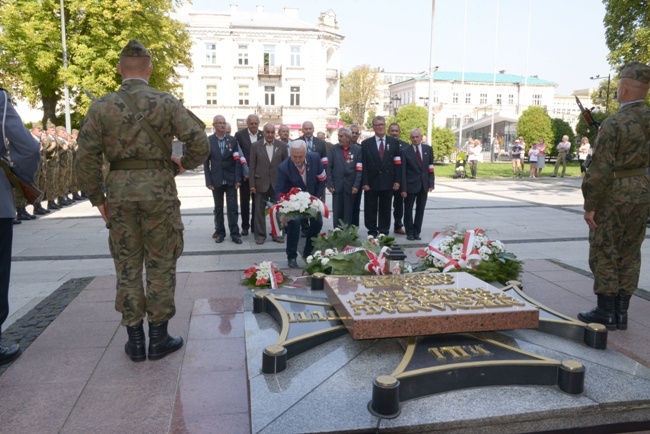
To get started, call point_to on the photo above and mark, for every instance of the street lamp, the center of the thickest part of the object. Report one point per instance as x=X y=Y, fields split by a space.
x=425 y=100
x=395 y=98
x=600 y=92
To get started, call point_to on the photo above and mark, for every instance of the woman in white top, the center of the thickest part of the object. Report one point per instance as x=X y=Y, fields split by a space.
x=583 y=153
x=541 y=157
x=475 y=155
x=532 y=160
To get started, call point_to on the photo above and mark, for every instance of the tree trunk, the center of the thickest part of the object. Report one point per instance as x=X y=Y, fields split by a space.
x=49 y=108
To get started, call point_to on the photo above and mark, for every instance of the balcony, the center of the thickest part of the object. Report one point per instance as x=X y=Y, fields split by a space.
x=332 y=75
x=269 y=71
x=269 y=112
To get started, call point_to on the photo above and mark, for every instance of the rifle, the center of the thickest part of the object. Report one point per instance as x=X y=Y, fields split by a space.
x=30 y=191
x=586 y=114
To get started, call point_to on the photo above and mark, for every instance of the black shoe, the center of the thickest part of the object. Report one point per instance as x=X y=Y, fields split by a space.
x=38 y=209
x=17 y=222
x=410 y=237
x=63 y=202
x=51 y=205
x=77 y=196
x=603 y=313
x=22 y=214
x=417 y=237
x=620 y=309
x=553 y=176
x=236 y=240
x=160 y=343
x=219 y=239
x=135 y=348
x=293 y=263
x=244 y=232
x=9 y=354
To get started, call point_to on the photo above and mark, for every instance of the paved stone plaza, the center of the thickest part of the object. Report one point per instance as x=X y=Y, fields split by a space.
x=74 y=376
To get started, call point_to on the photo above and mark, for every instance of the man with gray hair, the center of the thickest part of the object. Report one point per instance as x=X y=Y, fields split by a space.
x=302 y=170
x=344 y=176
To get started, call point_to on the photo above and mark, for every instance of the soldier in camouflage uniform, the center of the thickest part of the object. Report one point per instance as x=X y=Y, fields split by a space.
x=64 y=166
x=141 y=206
x=52 y=155
x=74 y=185
x=41 y=175
x=616 y=190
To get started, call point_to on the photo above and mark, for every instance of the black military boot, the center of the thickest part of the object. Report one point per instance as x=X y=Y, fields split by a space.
x=135 y=348
x=160 y=343
x=38 y=209
x=63 y=201
x=51 y=205
x=602 y=314
x=622 y=304
x=22 y=214
x=9 y=353
x=77 y=196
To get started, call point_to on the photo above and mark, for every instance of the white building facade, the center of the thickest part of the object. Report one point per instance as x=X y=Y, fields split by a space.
x=271 y=64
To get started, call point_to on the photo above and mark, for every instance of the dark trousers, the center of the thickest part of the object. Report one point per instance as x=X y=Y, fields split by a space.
x=247 y=215
x=342 y=204
x=376 y=213
x=6 y=238
x=398 y=209
x=293 y=236
x=260 y=200
x=356 y=208
x=231 y=208
x=419 y=199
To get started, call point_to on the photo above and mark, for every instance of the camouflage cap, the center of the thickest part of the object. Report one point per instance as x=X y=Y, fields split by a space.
x=134 y=48
x=49 y=125
x=60 y=128
x=636 y=71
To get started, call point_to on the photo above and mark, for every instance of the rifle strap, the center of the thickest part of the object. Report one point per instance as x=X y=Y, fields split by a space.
x=147 y=126
x=11 y=176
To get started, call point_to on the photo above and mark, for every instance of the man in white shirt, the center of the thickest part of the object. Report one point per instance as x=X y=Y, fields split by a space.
x=475 y=153
x=562 y=149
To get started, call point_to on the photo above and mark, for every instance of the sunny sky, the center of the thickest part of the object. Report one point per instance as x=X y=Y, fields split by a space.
x=567 y=42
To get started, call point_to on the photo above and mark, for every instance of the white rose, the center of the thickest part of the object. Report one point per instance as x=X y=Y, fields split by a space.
x=329 y=252
x=309 y=259
x=324 y=261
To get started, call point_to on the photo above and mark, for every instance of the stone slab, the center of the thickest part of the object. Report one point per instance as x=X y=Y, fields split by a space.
x=374 y=307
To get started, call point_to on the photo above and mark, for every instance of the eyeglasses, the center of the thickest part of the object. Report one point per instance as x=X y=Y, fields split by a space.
x=379 y=125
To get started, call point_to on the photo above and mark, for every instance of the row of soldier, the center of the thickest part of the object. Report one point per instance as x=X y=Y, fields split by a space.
x=56 y=176
x=393 y=174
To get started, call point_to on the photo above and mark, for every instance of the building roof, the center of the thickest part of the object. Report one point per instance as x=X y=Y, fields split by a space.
x=484 y=77
x=271 y=20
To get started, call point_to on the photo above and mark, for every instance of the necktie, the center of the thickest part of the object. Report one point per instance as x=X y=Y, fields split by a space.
x=309 y=144
x=381 y=149
x=417 y=152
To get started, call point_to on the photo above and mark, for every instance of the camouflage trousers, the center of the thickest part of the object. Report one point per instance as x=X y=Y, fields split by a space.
x=52 y=180
x=19 y=198
x=64 y=176
x=41 y=177
x=149 y=233
x=615 y=248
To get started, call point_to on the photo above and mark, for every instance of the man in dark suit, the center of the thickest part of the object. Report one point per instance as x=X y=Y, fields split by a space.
x=223 y=175
x=266 y=156
x=303 y=170
x=418 y=180
x=356 y=207
x=398 y=202
x=317 y=145
x=344 y=176
x=245 y=138
x=380 y=177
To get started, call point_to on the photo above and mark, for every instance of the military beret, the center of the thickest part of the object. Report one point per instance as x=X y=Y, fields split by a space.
x=50 y=125
x=134 y=48
x=636 y=71
x=60 y=128
x=38 y=125
x=74 y=131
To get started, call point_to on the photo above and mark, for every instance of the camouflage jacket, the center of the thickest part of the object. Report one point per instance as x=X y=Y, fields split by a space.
x=621 y=145
x=110 y=129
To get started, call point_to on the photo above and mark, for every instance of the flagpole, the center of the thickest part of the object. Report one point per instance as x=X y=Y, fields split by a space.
x=66 y=95
x=431 y=71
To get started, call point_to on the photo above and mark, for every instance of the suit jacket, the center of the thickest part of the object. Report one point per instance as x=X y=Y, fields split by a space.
x=245 y=145
x=288 y=176
x=415 y=177
x=264 y=173
x=344 y=175
x=319 y=147
x=223 y=167
x=380 y=174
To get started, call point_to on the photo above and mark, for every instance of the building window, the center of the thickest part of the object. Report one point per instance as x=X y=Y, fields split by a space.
x=435 y=96
x=511 y=99
x=498 y=99
x=295 y=95
x=243 y=94
x=388 y=79
x=454 y=98
x=211 y=54
x=269 y=55
x=269 y=95
x=295 y=56
x=468 y=98
x=243 y=55
x=211 y=94
x=399 y=78
x=537 y=99
x=483 y=98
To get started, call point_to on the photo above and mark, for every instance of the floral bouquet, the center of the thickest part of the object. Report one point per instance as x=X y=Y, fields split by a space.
x=264 y=275
x=295 y=204
x=471 y=251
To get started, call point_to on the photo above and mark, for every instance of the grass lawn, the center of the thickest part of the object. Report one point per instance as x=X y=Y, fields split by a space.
x=504 y=170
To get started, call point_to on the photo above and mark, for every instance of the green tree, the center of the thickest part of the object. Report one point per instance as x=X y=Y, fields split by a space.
x=347 y=118
x=359 y=91
x=371 y=115
x=443 y=141
x=627 y=31
x=409 y=117
x=96 y=31
x=583 y=130
x=599 y=96
x=561 y=128
x=534 y=123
